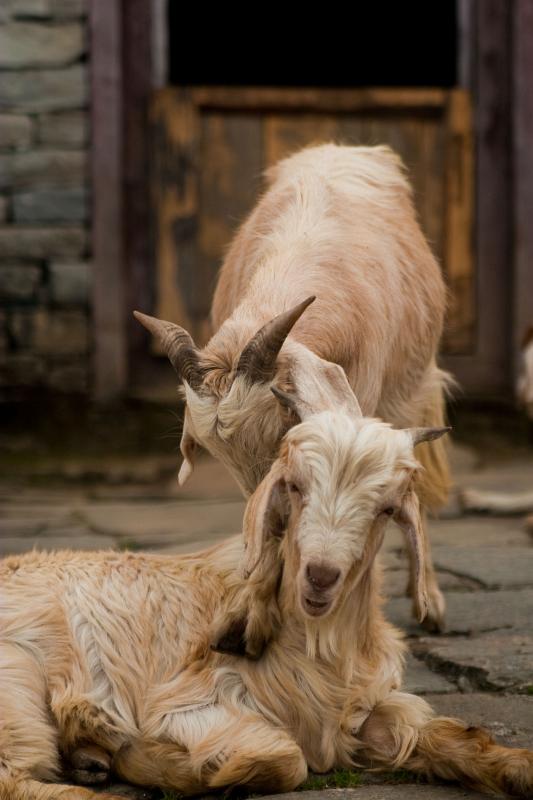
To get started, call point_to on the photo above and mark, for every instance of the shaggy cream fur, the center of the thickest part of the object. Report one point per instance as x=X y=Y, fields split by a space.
x=339 y=223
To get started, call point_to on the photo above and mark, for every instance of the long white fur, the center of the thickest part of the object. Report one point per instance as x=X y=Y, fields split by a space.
x=336 y=222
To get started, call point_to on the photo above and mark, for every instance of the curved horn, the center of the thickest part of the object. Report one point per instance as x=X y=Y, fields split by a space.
x=179 y=347
x=258 y=359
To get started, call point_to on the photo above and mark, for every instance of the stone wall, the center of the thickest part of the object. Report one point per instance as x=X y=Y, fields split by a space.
x=44 y=195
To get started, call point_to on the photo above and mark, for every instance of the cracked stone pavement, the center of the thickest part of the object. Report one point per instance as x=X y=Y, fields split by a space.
x=481 y=669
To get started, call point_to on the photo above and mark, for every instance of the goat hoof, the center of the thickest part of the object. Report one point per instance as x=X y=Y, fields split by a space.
x=434 y=625
x=90 y=765
x=435 y=619
x=85 y=777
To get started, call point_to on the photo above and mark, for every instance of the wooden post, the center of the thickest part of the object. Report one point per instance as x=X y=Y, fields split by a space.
x=110 y=346
x=485 y=30
x=523 y=170
x=137 y=84
x=459 y=258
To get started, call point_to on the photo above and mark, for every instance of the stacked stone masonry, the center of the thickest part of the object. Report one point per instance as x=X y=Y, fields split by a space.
x=44 y=195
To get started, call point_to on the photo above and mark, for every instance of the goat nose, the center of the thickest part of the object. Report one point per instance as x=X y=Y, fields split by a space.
x=322 y=576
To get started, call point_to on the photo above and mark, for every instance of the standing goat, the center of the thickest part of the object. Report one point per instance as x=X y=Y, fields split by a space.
x=113 y=649
x=339 y=223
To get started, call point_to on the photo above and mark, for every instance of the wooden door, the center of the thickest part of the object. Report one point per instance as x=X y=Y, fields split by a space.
x=211 y=146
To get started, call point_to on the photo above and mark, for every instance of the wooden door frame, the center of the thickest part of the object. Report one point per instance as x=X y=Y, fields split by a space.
x=484 y=47
x=522 y=172
x=495 y=42
x=176 y=116
x=496 y=60
x=121 y=81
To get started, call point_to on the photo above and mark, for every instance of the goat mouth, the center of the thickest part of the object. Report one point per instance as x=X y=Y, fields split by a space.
x=315 y=608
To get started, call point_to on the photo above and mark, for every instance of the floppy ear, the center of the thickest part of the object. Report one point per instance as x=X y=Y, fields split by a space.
x=265 y=517
x=319 y=385
x=253 y=616
x=188 y=447
x=408 y=518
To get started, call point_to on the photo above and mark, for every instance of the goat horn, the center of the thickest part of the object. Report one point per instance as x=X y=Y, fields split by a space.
x=258 y=359
x=419 y=435
x=179 y=347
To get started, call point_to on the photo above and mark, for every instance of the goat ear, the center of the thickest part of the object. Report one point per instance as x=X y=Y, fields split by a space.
x=408 y=518
x=319 y=385
x=265 y=518
x=419 y=435
x=253 y=618
x=188 y=447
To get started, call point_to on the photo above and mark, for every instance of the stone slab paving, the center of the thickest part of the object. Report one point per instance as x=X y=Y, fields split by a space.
x=481 y=670
x=407 y=791
x=508 y=717
x=420 y=679
x=148 y=522
x=493 y=567
x=494 y=661
x=482 y=531
x=477 y=612
x=76 y=539
x=395 y=581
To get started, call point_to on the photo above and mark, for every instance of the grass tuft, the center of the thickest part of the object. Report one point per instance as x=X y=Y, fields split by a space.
x=339 y=779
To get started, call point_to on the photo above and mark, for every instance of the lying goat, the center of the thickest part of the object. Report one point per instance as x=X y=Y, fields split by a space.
x=113 y=649
x=339 y=223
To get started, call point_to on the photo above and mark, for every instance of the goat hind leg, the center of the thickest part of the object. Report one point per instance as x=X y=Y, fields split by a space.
x=24 y=788
x=213 y=750
x=28 y=739
x=89 y=764
x=249 y=752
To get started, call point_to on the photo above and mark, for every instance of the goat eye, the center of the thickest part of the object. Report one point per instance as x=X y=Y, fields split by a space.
x=293 y=487
x=389 y=511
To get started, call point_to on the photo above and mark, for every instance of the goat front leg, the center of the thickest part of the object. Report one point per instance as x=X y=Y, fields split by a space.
x=216 y=749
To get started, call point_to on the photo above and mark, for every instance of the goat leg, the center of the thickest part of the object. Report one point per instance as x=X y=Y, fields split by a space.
x=90 y=765
x=450 y=749
x=435 y=621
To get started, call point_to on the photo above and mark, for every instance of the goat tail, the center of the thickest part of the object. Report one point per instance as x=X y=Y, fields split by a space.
x=450 y=749
x=434 y=481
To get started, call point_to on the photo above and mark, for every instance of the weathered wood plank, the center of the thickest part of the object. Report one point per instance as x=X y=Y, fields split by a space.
x=523 y=172
x=487 y=370
x=226 y=137
x=175 y=133
x=109 y=292
x=230 y=181
x=136 y=93
x=458 y=206
x=333 y=100
x=286 y=133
